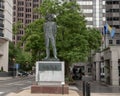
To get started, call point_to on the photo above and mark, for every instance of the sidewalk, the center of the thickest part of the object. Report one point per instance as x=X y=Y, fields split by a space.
x=105 y=94
x=11 y=77
x=5 y=78
x=73 y=91
x=28 y=93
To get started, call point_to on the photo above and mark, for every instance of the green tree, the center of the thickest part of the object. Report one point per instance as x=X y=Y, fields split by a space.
x=34 y=41
x=74 y=40
x=19 y=56
x=16 y=53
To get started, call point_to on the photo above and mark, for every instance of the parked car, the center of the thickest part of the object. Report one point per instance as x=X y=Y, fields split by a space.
x=22 y=73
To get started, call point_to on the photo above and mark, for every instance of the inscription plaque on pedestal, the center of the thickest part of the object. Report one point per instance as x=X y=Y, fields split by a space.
x=50 y=66
x=49 y=72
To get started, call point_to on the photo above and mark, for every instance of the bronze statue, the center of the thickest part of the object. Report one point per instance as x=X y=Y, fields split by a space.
x=50 y=30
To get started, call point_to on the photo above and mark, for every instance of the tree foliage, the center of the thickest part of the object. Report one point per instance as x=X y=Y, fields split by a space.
x=74 y=40
x=16 y=54
x=33 y=39
x=16 y=27
x=20 y=57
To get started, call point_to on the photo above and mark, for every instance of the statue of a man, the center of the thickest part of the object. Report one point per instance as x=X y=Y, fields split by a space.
x=50 y=29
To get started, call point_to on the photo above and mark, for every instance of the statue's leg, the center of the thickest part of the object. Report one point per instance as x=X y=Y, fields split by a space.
x=47 y=49
x=54 y=48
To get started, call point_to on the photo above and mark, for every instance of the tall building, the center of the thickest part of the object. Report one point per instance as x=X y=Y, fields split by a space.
x=99 y=12
x=6 y=10
x=24 y=12
x=94 y=11
x=106 y=63
x=113 y=19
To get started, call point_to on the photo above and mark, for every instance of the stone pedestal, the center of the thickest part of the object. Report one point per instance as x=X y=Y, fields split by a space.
x=50 y=78
x=51 y=89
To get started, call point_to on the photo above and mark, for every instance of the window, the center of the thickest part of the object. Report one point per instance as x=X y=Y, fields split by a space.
x=35 y=5
x=108 y=2
x=20 y=14
x=35 y=0
x=28 y=21
x=1 y=4
x=20 y=9
x=28 y=15
x=35 y=16
x=116 y=26
x=14 y=7
x=21 y=32
x=28 y=4
x=20 y=3
x=28 y=10
x=89 y=69
x=20 y=20
x=14 y=1
x=14 y=13
x=115 y=2
x=110 y=41
x=117 y=41
x=18 y=37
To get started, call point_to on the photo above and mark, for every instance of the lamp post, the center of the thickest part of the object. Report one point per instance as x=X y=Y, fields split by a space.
x=13 y=66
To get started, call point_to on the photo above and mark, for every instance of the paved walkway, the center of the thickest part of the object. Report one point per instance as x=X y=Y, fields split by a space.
x=97 y=89
x=5 y=78
x=100 y=89
x=28 y=93
x=73 y=91
x=105 y=94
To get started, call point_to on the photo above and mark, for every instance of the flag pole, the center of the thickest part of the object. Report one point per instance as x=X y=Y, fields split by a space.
x=105 y=39
x=105 y=32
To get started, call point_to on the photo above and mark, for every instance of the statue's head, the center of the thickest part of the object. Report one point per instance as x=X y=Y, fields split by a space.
x=49 y=17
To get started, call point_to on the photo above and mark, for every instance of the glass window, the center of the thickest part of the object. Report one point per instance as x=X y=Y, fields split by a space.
x=110 y=41
x=117 y=41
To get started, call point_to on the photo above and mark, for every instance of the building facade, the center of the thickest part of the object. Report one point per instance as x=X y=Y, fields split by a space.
x=24 y=12
x=106 y=63
x=113 y=19
x=6 y=10
x=94 y=11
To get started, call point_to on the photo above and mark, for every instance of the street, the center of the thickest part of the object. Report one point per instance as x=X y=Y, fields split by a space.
x=15 y=84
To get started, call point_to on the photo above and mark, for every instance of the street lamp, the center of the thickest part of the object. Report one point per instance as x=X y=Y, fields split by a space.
x=13 y=66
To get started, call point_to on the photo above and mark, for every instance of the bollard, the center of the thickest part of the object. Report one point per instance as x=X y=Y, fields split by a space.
x=62 y=83
x=87 y=89
x=83 y=88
